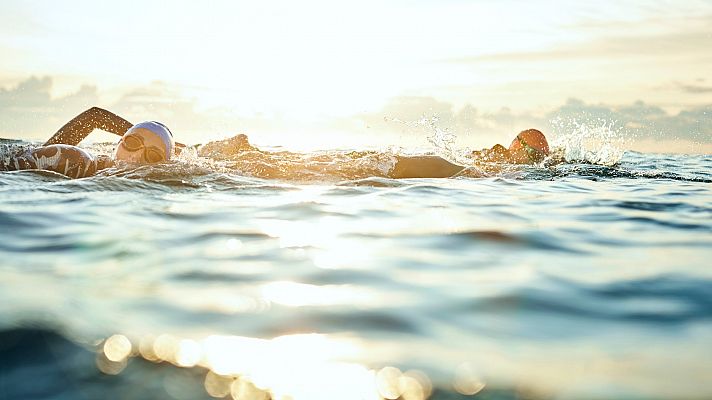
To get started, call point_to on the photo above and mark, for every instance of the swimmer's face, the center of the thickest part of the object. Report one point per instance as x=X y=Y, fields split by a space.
x=141 y=146
x=520 y=155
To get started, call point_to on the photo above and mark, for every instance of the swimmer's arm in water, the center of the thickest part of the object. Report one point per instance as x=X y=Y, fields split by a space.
x=424 y=167
x=68 y=160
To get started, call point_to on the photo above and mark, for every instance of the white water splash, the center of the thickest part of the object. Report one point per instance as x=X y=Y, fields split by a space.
x=442 y=139
x=6 y=153
x=10 y=150
x=597 y=142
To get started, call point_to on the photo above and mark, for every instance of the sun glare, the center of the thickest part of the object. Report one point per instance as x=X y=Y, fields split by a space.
x=282 y=58
x=297 y=367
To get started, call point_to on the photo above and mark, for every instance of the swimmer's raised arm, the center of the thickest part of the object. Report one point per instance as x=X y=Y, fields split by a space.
x=83 y=124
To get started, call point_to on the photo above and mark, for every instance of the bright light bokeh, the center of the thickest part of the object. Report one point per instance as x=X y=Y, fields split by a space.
x=301 y=367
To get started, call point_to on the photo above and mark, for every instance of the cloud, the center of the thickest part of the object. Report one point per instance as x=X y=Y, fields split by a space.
x=162 y=102
x=645 y=121
x=416 y=115
x=647 y=39
x=193 y=124
x=28 y=111
x=608 y=48
x=694 y=88
x=655 y=61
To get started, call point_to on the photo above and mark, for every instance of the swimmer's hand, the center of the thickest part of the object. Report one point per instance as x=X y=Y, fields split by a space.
x=227 y=147
x=497 y=153
x=103 y=161
x=178 y=148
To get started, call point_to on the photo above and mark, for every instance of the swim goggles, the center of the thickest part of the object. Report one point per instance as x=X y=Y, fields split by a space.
x=152 y=154
x=534 y=155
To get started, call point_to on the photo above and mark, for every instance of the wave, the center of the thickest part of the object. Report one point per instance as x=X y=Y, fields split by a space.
x=595 y=172
x=583 y=150
x=44 y=363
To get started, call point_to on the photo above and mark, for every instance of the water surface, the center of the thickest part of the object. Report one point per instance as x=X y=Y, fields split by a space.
x=574 y=280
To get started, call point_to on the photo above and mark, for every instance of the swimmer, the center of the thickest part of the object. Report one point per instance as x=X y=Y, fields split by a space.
x=144 y=143
x=528 y=147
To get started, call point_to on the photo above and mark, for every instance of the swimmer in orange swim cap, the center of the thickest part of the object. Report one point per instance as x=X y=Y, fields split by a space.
x=528 y=147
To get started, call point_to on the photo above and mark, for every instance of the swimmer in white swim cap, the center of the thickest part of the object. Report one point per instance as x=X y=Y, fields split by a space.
x=144 y=143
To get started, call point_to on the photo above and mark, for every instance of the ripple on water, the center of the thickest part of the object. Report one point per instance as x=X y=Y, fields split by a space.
x=370 y=322
x=570 y=276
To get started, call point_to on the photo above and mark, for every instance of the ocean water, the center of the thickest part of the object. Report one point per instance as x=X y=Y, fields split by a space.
x=313 y=276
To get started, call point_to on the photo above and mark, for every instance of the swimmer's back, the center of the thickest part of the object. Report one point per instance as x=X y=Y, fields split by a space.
x=423 y=167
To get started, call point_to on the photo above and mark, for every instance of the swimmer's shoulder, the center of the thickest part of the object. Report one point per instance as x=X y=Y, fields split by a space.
x=66 y=159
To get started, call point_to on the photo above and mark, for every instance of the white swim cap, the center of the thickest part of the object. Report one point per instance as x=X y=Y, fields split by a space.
x=161 y=131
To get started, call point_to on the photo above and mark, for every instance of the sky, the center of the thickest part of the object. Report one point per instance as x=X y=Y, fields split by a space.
x=365 y=73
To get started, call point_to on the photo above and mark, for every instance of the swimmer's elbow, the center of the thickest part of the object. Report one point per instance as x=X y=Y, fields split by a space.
x=97 y=110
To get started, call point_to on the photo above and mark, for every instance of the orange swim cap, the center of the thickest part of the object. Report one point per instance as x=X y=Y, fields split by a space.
x=532 y=138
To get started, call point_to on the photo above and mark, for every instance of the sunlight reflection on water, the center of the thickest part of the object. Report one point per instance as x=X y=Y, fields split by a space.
x=574 y=281
x=298 y=367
